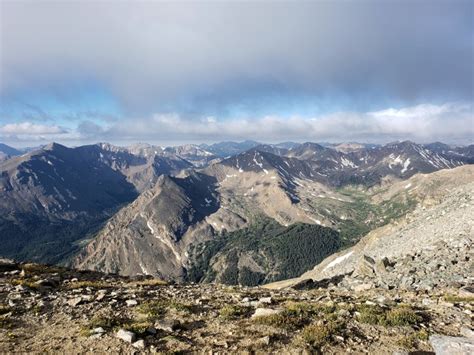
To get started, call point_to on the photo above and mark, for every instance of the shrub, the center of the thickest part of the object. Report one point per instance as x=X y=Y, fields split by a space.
x=232 y=311
x=285 y=319
x=152 y=309
x=317 y=335
x=402 y=316
x=399 y=316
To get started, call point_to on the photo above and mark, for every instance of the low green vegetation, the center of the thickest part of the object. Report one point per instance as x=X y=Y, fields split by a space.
x=232 y=312
x=399 y=316
x=458 y=299
x=149 y=282
x=284 y=319
x=27 y=282
x=91 y=284
x=317 y=335
x=363 y=215
x=105 y=321
x=411 y=341
x=297 y=314
x=153 y=310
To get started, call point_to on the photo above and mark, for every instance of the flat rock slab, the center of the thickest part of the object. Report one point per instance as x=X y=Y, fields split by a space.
x=445 y=345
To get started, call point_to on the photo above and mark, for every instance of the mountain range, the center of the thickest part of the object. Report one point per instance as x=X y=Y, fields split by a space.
x=227 y=212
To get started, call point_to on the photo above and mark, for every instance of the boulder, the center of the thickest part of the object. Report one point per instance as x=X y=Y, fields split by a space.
x=126 y=335
x=365 y=266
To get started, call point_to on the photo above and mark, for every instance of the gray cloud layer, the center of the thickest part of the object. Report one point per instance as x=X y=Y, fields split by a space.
x=194 y=57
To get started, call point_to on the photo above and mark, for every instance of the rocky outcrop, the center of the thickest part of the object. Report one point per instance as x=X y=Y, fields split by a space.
x=70 y=311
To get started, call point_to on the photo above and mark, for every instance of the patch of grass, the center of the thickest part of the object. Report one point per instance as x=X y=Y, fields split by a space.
x=41 y=269
x=152 y=309
x=25 y=282
x=108 y=322
x=318 y=335
x=137 y=327
x=403 y=316
x=458 y=299
x=399 y=316
x=285 y=320
x=232 y=311
x=155 y=309
x=92 y=284
x=309 y=309
x=371 y=314
x=181 y=307
x=150 y=282
x=411 y=341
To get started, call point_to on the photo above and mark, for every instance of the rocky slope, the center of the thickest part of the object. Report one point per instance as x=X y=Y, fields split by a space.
x=8 y=151
x=48 y=309
x=51 y=197
x=150 y=236
x=429 y=247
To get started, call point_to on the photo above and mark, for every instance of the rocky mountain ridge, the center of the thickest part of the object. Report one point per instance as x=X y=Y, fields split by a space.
x=72 y=196
x=245 y=188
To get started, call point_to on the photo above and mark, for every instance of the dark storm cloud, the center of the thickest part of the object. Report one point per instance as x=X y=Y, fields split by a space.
x=201 y=57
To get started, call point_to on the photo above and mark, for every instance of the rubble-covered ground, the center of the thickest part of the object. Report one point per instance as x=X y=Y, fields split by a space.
x=66 y=311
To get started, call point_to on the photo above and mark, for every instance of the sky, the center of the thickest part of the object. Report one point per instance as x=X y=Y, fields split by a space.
x=83 y=71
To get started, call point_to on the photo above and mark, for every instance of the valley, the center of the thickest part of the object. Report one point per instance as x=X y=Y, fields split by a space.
x=191 y=213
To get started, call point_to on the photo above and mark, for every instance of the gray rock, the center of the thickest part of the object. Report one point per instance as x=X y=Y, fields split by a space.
x=446 y=345
x=101 y=295
x=131 y=303
x=365 y=266
x=466 y=291
x=98 y=330
x=259 y=312
x=265 y=300
x=126 y=335
x=151 y=330
x=168 y=325
x=362 y=287
x=266 y=340
x=139 y=344
x=73 y=302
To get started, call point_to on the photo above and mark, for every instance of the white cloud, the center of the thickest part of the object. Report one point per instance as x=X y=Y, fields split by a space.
x=28 y=128
x=450 y=122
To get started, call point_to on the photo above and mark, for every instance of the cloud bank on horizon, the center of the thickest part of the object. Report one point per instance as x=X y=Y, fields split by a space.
x=82 y=71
